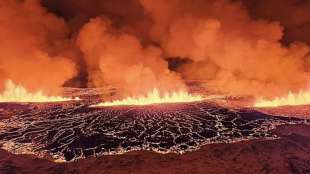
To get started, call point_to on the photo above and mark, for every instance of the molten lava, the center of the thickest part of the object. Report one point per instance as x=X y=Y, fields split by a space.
x=17 y=93
x=301 y=98
x=154 y=97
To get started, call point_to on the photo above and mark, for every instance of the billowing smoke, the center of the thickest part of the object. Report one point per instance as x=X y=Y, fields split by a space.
x=292 y=14
x=234 y=46
x=119 y=59
x=31 y=46
x=234 y=53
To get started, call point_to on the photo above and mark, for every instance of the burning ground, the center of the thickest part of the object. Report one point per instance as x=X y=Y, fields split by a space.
x=73 y=130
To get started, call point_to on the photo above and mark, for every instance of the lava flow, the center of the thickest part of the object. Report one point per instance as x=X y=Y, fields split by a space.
x=292 y=99
x=154 y=97
x=17 y=93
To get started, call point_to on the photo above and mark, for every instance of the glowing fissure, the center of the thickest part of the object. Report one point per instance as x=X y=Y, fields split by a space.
x=17 y=93
x=292 y=99
x=154 y=97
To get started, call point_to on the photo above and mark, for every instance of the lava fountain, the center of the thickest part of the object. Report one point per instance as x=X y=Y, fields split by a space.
x=154 y=97
x=292 y=99
x=17 y=93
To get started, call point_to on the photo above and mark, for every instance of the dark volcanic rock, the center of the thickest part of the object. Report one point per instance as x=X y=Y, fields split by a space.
x=71 y=131
x=287 y=155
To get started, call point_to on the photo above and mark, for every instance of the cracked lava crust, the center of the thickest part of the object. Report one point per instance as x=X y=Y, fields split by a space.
x=72 y=130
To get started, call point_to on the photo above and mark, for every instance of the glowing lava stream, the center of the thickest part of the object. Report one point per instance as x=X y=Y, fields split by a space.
x=17 y=93
x=154 y=98
x=301 y=98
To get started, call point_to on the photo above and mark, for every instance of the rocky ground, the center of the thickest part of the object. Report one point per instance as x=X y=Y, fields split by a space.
x=289 y=154
x=203 y=137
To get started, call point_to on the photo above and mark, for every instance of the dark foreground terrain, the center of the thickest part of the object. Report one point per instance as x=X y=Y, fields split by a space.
x=289 y=154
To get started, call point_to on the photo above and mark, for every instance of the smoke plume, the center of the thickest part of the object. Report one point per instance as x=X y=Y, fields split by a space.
x=118 y=59
x=293 y=15
x=234 y=53
x=236 y=46
x=31 y=46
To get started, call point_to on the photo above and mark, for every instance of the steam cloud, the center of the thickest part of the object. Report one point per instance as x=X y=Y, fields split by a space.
x=119 y=59
x=31 y=46
x=234 y=46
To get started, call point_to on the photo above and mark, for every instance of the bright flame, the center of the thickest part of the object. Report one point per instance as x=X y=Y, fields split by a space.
x=301 y=98
x=17 y=93
x=155 y=98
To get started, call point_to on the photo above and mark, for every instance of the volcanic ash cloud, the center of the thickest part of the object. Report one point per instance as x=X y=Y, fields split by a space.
x=234 y=53
x=232 y=45
x=119 y=59
x=29 y=48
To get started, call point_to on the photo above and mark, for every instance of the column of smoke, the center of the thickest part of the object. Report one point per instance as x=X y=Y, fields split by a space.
x=33 y=46
x=127 y=44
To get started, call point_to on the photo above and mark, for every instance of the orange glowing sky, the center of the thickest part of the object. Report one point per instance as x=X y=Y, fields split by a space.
x=235 y=46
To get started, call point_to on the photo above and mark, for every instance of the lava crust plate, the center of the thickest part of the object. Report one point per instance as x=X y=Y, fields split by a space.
x=72 y=130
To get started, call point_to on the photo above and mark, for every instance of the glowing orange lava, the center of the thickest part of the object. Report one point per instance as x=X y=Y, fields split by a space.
x=17 y=93
x=155 y=98
x=301 y=98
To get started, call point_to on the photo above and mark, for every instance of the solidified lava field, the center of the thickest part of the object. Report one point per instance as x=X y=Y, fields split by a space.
x=72 y=130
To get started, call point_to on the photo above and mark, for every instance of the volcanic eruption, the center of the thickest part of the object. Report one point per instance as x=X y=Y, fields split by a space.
x=15 y=93
x=133 y=46
x=82 y=79
x=155 y=98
